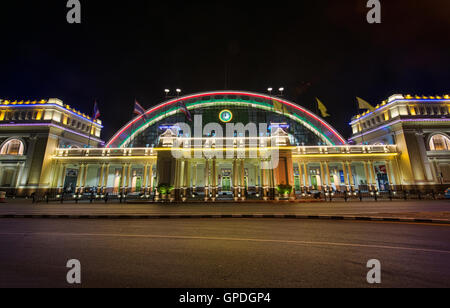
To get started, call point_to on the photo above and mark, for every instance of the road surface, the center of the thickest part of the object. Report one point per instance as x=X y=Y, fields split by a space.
x=250 y=253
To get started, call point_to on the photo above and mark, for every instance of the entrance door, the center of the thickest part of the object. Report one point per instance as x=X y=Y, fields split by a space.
x=226 y=183
x=297 y=183
x=7 y=178
x=70 y=181
x=314 y=182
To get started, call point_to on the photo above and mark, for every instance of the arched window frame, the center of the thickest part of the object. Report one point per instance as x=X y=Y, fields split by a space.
x=446 y=142
x=5 y=147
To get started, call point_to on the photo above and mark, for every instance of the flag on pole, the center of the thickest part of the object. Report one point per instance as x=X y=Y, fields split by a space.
x=322 y=108
x=185 y=111
x=280 y=107
x=362 y=104
x=96 y=113
x=138 y=109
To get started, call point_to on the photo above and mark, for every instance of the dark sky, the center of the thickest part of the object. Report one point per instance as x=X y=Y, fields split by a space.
x=128 y=49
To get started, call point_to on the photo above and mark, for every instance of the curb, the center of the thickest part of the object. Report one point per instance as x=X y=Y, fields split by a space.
x=197 y=216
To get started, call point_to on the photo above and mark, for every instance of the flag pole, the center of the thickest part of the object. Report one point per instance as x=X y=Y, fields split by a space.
x=90 y=132
x=362 y=135
x=92 y=123
x=132 y=128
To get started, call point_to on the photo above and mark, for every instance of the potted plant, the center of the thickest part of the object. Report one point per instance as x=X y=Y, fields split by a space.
x=164 y=190
x=284 y=190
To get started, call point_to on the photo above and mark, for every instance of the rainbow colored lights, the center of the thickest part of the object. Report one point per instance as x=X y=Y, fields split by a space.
x=124 y=134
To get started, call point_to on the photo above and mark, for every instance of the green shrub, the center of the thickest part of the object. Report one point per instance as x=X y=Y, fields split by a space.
x=165 y=189
x=284 y=189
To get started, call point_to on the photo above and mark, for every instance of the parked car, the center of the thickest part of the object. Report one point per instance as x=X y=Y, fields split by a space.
x=447 y=193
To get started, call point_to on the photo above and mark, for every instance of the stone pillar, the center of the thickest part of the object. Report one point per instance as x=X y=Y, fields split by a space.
x=322 y=177
x=63 y=177
x=345 y=176
x=235 y=180
x=366 y=173
x=100 y=179
x=194 y=177
x=206 y=179
x=256 y=177
x=329 y=177
x=56 y=171
x=264 y=181
x=305 y=165
x=129 y=177
x=106 y=176
x=242 y=180
x=144 y=180
x=272 y=182
x=122 y=177
x=213 y=179
x=79 y=178
x=350 y=176
x=86 y=167
x=151 y=180
x=372 y=176
x=300 y=175
x=187 y=179
x=389 y=175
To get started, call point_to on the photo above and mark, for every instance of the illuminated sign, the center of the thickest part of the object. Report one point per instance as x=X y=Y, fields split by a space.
x=225 y=116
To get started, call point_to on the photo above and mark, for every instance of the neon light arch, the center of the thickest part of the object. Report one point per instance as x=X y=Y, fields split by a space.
x=166 y=109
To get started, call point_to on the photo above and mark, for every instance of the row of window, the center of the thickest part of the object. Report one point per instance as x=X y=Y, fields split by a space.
x=412 y=111
x=428 y=110
x=37 y=115
x=23 y=115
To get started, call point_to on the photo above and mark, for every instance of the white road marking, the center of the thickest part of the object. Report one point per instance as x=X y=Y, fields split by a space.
x=177 y=237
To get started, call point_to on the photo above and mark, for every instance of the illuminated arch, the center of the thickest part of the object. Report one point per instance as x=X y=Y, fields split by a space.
x=439 y=142
x=226 y=98
x=13 y=147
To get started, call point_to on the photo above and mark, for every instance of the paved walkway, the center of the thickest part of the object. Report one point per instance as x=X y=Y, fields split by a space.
x=401 y=209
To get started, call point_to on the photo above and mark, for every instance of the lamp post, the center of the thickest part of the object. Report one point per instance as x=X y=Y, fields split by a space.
x=281 y=91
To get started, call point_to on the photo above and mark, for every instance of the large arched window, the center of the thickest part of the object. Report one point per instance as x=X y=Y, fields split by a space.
x=12 y=147
x=439 y=143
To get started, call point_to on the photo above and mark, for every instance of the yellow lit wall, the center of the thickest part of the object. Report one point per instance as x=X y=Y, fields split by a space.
x=39 y=115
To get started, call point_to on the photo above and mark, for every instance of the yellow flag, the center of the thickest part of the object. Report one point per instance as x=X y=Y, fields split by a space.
x=322 y=108
x=364 y=105
x=279 y=106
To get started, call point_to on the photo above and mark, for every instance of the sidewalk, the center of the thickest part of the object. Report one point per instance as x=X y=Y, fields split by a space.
x=413 y=210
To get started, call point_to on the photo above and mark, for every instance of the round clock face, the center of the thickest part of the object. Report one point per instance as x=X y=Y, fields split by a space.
x=226 y=116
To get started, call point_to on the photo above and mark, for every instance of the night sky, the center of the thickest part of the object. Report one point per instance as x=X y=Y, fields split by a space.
x=135 y=49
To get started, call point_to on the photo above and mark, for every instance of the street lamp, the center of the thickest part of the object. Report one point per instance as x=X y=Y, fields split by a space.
x=270 y=91
x=281 y=91
x=178 y=92
x=167 y=92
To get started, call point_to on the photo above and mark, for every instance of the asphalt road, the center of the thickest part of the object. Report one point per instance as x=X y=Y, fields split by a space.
x=222 y=253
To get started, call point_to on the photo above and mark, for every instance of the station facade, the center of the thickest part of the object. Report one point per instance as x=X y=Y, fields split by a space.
x=225 y=145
